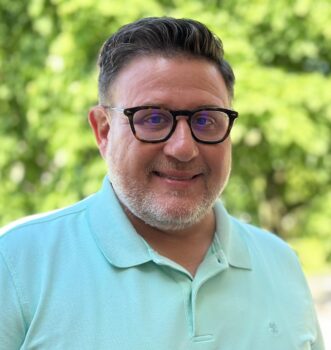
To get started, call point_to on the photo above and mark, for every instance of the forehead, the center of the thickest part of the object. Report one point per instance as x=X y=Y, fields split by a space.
x=178 y=82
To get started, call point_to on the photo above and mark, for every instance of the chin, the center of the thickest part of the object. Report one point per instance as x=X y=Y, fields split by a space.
x=170 y=216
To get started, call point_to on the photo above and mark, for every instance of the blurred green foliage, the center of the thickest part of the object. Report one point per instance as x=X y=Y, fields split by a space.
x=281 y=53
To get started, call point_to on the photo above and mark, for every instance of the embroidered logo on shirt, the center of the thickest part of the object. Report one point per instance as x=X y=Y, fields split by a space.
x=273 y=328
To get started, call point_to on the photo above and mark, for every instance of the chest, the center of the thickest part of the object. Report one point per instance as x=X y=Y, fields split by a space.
x=155 y=307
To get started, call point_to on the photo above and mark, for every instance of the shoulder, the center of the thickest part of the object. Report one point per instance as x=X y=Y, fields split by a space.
x=265 y=245
x=273 y=260
x=41 y=226
x=258 y=236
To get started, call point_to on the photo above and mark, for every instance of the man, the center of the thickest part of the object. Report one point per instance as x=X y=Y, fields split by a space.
x=153 y=260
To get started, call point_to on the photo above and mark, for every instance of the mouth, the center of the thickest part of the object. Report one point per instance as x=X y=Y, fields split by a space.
x=176 y=176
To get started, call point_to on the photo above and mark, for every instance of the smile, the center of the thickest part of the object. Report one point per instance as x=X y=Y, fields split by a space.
x=176 y=176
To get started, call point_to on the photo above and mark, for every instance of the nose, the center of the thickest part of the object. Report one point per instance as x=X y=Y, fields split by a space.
x=181 y=144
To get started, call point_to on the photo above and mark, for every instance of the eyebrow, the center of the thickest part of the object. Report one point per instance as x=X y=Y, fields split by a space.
x=161 y=105
x=210 y=106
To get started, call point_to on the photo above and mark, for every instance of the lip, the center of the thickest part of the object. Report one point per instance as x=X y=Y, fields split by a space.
x=176 y=180
x=177 y=175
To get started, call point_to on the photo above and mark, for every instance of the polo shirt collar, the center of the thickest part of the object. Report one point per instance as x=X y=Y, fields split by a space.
x=229 y=240
x=123 y=247
x=113 y=232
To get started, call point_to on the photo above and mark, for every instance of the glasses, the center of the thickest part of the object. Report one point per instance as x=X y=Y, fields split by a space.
x=154 y=124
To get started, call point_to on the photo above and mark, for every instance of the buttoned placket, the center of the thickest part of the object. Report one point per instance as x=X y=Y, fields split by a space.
x=214 y=263
x=124 y=248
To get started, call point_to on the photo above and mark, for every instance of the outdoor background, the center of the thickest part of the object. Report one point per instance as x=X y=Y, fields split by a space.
x=281 y=54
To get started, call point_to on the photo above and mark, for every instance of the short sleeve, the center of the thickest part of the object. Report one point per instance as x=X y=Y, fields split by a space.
x=12 y=325
x=318 y=344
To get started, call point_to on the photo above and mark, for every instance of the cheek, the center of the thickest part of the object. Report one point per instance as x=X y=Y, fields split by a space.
x=115 y=158
x=228 y=156
x=118 y=142
x=220 y=158
x=125 y=153
x=226 y=159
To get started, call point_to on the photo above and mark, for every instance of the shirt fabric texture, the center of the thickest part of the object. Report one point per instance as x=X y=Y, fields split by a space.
x=82 y=278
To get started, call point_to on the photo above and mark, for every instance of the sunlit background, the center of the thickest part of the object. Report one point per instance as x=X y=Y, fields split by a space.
x=281 y=54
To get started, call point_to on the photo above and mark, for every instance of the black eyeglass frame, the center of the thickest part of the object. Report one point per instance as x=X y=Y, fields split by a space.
x=129 y=112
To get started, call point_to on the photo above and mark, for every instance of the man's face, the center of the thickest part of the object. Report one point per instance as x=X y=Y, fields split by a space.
x=173 y=184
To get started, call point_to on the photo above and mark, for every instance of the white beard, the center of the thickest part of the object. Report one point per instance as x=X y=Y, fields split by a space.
x=162 y=215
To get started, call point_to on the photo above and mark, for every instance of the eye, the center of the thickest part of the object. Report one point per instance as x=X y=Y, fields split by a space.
x=152 y=119
x=203 y=120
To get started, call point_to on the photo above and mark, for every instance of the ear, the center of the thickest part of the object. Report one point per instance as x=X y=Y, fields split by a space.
x=100 y=126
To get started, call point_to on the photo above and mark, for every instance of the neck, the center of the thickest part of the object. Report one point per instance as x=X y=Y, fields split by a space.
x=186 y=247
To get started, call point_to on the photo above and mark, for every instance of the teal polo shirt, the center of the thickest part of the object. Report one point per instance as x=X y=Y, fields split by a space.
x=82 y=278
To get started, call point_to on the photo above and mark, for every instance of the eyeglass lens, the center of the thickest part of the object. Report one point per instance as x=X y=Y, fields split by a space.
x=156 y=124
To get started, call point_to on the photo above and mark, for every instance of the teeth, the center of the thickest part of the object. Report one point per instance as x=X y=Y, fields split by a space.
x=178 y=178
x=174 y=177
